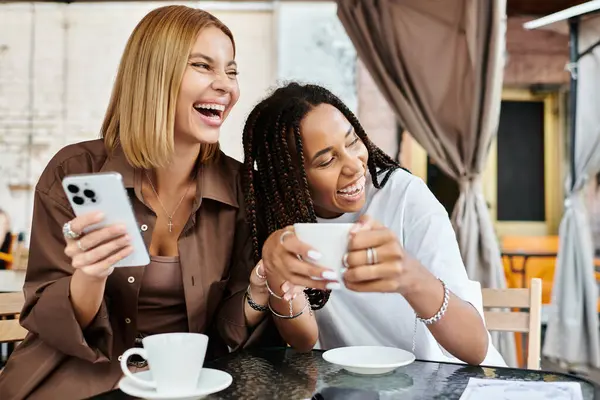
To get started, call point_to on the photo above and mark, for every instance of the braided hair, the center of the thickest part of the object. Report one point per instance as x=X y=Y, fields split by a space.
x=275 y=186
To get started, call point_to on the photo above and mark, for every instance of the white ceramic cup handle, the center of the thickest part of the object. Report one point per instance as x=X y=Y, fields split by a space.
x=125 y=368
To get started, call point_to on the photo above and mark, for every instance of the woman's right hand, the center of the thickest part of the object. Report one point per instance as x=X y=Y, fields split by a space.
x=95 y=253
x=280 y=257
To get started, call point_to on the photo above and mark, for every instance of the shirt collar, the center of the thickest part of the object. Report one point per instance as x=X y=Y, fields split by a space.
x=216 y=179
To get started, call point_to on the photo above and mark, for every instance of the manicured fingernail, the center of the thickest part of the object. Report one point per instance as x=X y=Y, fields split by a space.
x=287 y=297
x=285 y=287
x=314 y=255
x=329 y=275
x=333 y=286
x=99 y=216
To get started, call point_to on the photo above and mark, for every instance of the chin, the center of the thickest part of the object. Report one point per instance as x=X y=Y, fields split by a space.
x=208 y=136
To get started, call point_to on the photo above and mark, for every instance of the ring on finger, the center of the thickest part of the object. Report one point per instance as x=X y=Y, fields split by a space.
x=345 y=261
x=283 y=235
x=370 y=256
x=68 y=233
x=375 y=258
x=81 y=246
x=262 y=277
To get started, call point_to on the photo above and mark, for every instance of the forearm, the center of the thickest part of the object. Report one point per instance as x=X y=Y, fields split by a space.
x=260 y=295
x=461 y=330
x=301 y=332
x=86 y=296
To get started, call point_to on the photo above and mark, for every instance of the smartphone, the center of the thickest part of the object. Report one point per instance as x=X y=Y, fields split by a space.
x=104 y=192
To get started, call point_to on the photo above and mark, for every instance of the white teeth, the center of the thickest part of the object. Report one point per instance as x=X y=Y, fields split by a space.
x=356 y=188
x=208 y=106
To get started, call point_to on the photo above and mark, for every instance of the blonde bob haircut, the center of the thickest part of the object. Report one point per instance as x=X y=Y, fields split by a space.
x=141 y=114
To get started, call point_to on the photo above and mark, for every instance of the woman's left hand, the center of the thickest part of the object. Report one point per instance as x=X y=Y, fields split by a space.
x=389 y=269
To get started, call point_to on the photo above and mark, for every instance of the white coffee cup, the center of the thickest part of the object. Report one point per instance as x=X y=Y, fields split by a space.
x=331 y=240
x=175 y=361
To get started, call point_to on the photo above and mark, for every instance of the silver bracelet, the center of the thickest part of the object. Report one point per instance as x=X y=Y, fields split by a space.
x=442 y=309
x=292 y=315
x=272 y=293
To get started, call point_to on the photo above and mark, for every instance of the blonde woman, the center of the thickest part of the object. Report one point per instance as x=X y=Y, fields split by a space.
x=176 y=84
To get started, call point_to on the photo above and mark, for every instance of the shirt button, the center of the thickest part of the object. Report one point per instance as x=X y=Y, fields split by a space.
x=131 y=279
x=144 y=227
x=127 y=321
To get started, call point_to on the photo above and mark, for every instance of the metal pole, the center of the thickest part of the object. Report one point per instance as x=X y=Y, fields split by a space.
x=574 y=58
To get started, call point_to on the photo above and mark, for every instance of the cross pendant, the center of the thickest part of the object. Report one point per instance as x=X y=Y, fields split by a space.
x=170 y=225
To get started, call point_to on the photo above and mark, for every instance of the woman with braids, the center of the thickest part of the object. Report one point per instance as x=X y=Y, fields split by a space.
x=307 y=159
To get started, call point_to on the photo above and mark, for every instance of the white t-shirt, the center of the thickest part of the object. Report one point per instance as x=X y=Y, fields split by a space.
x=406 y=206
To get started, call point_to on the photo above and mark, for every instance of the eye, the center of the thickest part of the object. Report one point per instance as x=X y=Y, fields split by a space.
x=326 y=163
x=356 y=139
x=233 y=73
x=200 y=65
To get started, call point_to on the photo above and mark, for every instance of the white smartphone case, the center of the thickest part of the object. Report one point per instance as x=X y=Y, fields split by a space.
x=105 y=192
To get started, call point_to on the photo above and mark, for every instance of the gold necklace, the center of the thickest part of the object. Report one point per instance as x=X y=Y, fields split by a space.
x=170 y=224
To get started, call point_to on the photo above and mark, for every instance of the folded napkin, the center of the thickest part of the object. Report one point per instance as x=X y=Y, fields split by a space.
x=496 y=389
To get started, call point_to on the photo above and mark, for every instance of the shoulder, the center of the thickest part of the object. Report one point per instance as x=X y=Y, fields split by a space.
x=78 y=158
x=223 y=180
x=409 y=192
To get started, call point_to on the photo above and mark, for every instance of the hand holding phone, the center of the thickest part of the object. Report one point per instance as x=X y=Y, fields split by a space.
x=97 y=252
x=104 y=216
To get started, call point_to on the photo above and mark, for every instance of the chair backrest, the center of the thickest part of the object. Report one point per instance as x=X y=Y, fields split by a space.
x=10 y=308
x=517 y=321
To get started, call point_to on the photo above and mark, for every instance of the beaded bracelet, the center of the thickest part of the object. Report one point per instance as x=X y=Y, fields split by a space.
x=254 y=305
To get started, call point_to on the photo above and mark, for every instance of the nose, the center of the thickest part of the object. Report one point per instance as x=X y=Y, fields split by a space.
x=222 y=83
x=353 y=166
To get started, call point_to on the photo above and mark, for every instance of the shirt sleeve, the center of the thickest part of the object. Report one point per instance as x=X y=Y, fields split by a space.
x=48 y=312
x=428 y=236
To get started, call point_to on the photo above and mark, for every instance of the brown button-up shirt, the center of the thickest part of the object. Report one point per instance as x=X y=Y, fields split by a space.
x=58 y=360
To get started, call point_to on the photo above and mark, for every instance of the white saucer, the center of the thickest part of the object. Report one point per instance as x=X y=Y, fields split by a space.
x=369 y=360
x=211 y=381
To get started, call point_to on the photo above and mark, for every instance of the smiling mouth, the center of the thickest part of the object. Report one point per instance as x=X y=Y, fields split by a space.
x=353 y=190
x=212 y=111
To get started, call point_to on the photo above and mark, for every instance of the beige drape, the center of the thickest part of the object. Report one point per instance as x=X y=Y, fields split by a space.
x=440 y=65
x=572 y=335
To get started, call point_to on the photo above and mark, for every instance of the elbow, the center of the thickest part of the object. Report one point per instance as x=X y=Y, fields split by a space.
x=303 y=344
x=478 y=354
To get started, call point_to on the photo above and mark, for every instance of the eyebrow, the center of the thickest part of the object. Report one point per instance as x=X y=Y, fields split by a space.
x=210 y=60
x=328 y=149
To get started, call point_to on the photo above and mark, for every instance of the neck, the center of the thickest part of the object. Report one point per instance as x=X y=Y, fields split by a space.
x=179 y=172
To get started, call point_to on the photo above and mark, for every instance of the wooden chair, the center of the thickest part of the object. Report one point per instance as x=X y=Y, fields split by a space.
x=517 y=321
x=10 y=307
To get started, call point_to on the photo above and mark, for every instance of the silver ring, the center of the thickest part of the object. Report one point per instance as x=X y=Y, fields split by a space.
x=345 y=261
x=263 y=277
x=375 y=258
x=370 y=256
x=68 y=233
x=283 y=235
x=81 y=247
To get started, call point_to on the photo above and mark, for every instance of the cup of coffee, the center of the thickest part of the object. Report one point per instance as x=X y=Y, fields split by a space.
x=331 y=240
x=175 y=361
